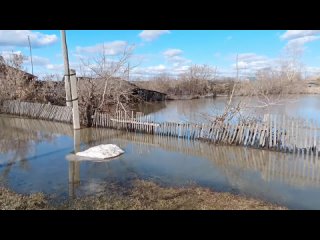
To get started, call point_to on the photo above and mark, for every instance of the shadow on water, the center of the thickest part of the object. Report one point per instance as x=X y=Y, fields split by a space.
x=33 y=158
x=150 y=107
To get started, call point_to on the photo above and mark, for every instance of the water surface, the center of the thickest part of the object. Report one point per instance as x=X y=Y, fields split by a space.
x=34 y=157
x=304 y=106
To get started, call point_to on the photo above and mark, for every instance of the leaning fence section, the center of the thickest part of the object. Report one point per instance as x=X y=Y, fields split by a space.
x=38 y=111
x=276 y=132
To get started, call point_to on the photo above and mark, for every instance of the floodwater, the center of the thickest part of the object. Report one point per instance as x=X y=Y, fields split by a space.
x=34 y=157
x=305 y=106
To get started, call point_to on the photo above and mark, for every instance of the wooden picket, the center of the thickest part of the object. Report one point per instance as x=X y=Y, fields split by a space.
x=38 y=111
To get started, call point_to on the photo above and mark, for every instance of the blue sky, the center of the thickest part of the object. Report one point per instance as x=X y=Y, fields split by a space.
x=169 y=51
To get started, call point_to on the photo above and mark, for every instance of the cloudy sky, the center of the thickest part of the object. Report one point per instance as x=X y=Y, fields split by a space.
x=171 y=51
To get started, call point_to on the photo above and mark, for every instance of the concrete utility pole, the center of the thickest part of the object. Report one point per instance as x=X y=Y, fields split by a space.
x=66 y=68
x=74 y=95
x=70 y=84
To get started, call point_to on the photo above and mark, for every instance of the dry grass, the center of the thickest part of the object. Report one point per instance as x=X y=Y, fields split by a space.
x=141 y=195
x=146 y=195
x=13 y=201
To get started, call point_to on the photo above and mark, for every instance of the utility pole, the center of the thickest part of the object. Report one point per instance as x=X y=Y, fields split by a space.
x=74 y=95
x=70 y=84
x=66 y=68
x=30 y=54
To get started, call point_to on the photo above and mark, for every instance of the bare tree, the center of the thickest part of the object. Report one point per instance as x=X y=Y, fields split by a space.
x=102 y=86
x=232 y=108
x=197 y=77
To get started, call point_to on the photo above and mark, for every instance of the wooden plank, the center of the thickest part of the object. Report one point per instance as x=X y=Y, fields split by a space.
x=275 y=131
x=223 y=128
x=318 y=137
x=313 y=137
x=270 y=130
x=283 y=132
x=240 y=134
x=253 y=140
x=232 y=128
x=247 y=133
x=305 y=134
x=235 y=133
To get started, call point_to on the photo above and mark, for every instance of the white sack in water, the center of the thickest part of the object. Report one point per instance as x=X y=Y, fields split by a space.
x=101 y=151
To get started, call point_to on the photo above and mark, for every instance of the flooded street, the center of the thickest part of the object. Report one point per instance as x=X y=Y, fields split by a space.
x=34 y=158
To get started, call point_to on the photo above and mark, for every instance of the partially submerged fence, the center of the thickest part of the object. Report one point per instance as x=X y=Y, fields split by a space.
x=276 y=132
x=38 y=111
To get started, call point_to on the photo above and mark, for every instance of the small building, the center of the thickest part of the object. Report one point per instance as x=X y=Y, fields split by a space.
x=4 y=68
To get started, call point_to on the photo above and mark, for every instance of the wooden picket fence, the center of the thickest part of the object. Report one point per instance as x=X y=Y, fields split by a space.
x=133 y=121
x=276 y=132
x=38 y=111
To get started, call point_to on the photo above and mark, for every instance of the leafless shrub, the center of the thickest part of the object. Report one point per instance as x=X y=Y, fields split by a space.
x=14 y=82
x=102 y=86
x=50 y=90
x=198 y=80
x=270 y=87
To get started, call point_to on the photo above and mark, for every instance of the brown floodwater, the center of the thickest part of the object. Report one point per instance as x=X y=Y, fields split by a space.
x=34 y=158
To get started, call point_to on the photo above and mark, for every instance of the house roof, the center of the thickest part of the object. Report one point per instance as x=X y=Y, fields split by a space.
x=3 y=66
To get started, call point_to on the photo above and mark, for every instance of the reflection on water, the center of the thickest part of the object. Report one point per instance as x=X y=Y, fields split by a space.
x=191 y=110
x=34 y=160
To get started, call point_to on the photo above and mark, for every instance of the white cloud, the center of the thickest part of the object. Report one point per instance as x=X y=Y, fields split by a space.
x=180 y=69
x=252 y=61
x=313 y=70
x=20 y=38
x=8 y=54
x=175 y=64
x=293 y=34
x=59 y=67
x=150 y=35
x=38 y=61
x=55 y=67
x=174 y=56
x=250 y=57
x=178 y=61
x=110 y=48
x=229 y=38
x=172 y=52
x=298 y=38
x=299 y=42
x=152 y=70
x=159 y=69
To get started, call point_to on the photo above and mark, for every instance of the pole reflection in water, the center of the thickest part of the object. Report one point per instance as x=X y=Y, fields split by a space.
x=74 y=166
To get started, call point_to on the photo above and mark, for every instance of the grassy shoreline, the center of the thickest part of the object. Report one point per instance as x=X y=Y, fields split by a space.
x=141 y=195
